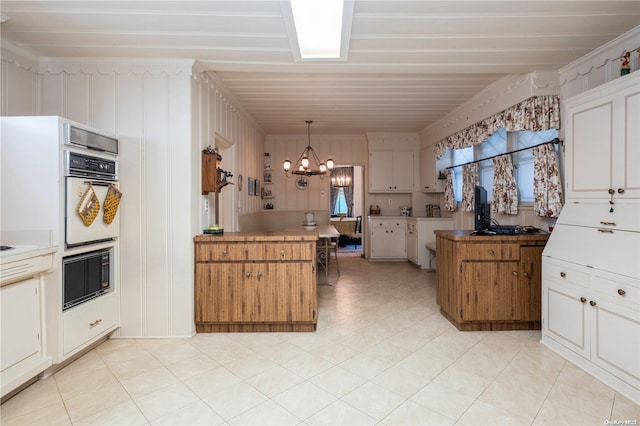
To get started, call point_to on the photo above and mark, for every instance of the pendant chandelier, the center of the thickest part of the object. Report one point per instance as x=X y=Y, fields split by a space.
x=303 y=165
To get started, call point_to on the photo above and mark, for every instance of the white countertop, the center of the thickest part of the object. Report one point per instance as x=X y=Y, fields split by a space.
x=410 y=217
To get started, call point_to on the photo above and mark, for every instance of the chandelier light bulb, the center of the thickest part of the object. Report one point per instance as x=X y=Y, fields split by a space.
x=305 y=162
x=323 y=167
x=330 y=164
x=286 y=165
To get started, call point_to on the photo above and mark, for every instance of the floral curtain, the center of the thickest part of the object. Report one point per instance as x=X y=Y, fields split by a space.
x=469 y=181
x=505 y=190
x=534 y=114
x=547 y=188
x=449 y=197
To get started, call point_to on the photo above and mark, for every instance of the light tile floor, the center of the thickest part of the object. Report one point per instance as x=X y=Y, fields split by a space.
x=382 y=355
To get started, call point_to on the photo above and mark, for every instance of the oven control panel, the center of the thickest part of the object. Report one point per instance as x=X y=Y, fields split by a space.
x=80 y=165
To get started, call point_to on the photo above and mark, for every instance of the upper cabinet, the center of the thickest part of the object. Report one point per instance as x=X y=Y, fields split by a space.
x=429 y=181
x=391 y=171
x=603 y=141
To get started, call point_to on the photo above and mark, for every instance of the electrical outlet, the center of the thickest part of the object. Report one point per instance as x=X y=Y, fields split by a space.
x=206 y=205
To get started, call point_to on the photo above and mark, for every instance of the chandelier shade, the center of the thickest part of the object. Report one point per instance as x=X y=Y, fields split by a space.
x=304 y=164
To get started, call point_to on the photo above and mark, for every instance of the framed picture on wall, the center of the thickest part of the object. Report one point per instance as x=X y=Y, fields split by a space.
x=256 y=190
x=251 y=186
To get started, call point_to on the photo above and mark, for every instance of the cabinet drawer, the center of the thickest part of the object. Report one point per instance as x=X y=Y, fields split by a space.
x=229 y=252
x=89 y=321
x=564 y=273
x=618 y=288
x=490 y=251
x=392 y=223
x=220 y=252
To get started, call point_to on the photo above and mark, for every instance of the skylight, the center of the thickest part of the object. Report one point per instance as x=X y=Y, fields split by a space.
x=318 y=26
x=318 y=30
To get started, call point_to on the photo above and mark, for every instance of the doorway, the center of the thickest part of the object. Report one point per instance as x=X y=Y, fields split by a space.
x=227 y=198
x=347 y=207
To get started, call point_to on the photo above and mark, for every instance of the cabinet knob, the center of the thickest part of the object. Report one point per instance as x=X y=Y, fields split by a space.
x=621 y=292
x=583 y=300
x=526 y=274
x=592 y=303
x=282 y=255
x=492 y=252
x=620 y=190
x=611 y=191
x=563 y=274
x=248 y=274
x=515 y=273
x=224 y=252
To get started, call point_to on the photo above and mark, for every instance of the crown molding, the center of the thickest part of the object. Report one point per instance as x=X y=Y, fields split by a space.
x=92 y=66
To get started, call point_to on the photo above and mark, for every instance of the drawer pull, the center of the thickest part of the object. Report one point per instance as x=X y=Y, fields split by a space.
x=563 y=274
x=96 y=322
x=605 y=231
x=602 y=222
x=621 y=292
x=592 y=303
x=282 y=255
x=257 y=274
x=583 y=300
x=224 y=252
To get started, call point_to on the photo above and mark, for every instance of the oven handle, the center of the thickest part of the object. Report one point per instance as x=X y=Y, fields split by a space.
x=99 y=182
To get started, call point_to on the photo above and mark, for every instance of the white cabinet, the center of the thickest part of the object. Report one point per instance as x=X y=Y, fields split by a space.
x=388 y=238
x=592 y=318
x=602 y=141
x=421 y=231
x=22 y=351
x=391 y=171
x=429 y=181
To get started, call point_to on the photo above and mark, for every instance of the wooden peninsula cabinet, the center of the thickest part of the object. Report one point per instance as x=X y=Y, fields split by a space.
x=255 y=282
x=490 y=282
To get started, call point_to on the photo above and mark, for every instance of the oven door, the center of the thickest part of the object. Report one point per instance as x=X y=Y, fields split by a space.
x=76 y=231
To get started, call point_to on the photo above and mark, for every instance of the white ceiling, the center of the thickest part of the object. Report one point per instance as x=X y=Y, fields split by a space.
x=409 y=62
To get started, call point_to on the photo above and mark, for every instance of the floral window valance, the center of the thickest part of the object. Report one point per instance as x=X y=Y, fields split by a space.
x=534 y=114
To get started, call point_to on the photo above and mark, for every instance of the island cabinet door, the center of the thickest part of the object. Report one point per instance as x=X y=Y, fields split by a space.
x=529 y=281
x=218 y=292
x=285 y=293
x=489 y=291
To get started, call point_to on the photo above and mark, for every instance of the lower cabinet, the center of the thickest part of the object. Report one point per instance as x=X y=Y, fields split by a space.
x=490 y=282
x=255 y=286
x=388 y=238
x=592 y=317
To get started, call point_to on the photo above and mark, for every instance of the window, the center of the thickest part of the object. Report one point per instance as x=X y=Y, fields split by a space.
x=500 y=142
x=341 y=203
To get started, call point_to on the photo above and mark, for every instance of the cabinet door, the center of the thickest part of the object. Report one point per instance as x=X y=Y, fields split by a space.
x=397 y=241
x=625 y=163
x=565 y=316
x=380 y=171
x=20 y=321
x=379 y=242
x=286 y=293
x=428 y=170
x=529 y=283
x=218 y=292
x=615 y=339
x=403 y=171
x=489 y=291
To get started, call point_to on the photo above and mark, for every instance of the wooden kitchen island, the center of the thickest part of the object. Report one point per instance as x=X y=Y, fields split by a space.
x=490 y=282
x=257 y=281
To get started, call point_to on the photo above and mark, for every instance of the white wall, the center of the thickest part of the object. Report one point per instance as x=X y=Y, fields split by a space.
x=164 y=113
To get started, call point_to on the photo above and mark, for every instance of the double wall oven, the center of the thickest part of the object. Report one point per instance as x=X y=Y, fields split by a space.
x=92 y=221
